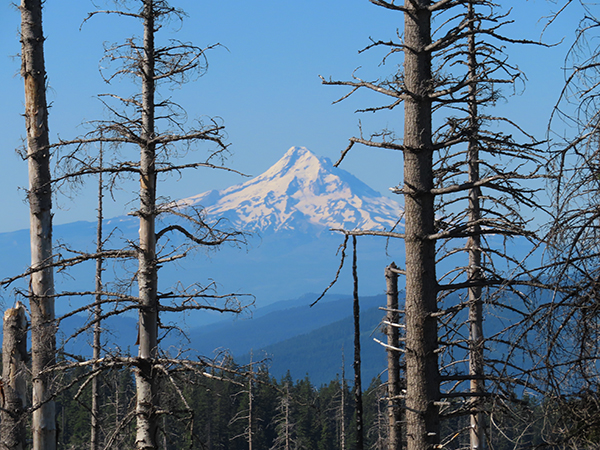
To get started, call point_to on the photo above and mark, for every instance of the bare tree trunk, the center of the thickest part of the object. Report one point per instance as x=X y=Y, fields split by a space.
x=394 y=411
x=422 y=373
x=357 y=378
x=283 y=423
x=250 y=401
x=117 y=386
x=381 y=442
x=147 y=277
x=95 y=409
x=43 y=339
x=474 y=245
x=343 y=406
x=288 y=437
x=14 y=389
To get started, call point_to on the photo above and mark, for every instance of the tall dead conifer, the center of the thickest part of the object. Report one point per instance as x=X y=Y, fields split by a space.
x=422 y=373
x=474 y=275
x=158 y=130
x=153 y=125
x=146 y=379
x=394 y=407
x=358 y=400
x=571 y=317
x=449 y=72
x=97 y=344
x=43 y=340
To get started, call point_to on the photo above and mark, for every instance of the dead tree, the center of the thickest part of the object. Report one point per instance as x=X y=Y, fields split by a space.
x=415 y=89
x=97 y=344
x=341 y=415
x=146 y=379
x=380 y=426
x=422 y=372
x=458 y=69
x=247 y=414
x=153 y=125
x=499 y=172
x=13 y=384
x=571 y=318
x=359 y=444
x=476 y=370
x=284 y=424
x=41 y=296
x=392 y=326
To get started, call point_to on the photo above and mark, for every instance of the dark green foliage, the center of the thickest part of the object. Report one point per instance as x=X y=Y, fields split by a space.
x=315 y=414
x=73 y=411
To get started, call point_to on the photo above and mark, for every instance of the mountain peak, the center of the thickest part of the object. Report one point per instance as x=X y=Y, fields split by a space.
x=295 y=153
x=300 y=191
x=298 y=161
x=298 y=156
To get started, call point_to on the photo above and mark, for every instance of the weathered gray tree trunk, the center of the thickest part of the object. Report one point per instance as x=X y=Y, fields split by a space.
x=343 y=406
x=287 y=423
x=476 y=369
x=43 y=340
x=422 y=373
x=394 y=411
x=146 y=395
x=14 y=389
x=95 y=407
x=250 y=405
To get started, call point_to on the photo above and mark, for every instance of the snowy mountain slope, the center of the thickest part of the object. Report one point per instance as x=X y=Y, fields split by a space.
x=301 y=190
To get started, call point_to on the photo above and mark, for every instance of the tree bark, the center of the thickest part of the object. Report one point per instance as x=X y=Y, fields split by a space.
x=95 y=408
x=147 y=270
x=476 y=369
x=394 y=411
x=422 y=373
x=43 y=339
x=250 y=405
x=14 y=389
x=357 y=358
x=343 y=406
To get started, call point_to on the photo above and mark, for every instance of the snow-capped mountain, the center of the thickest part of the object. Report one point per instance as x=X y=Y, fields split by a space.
x=299 y=191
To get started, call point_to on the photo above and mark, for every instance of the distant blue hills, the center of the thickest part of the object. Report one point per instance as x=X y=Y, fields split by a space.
x=288 y=212
x=288 y=336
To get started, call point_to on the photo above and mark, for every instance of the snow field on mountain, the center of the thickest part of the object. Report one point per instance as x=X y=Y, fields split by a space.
x=298 y=190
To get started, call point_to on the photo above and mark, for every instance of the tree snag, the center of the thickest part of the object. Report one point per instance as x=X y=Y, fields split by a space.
x=394 y=409
x=43 y=339
x=422 y=373
x=359 y=444
x=13 y=384
x=147 y=271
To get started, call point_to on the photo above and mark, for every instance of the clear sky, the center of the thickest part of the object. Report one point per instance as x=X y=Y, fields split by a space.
x=264 y=84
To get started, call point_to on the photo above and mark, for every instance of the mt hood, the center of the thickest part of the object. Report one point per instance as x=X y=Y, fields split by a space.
x=299 y=191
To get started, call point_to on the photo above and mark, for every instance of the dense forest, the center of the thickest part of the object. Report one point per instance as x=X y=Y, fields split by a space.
x=485 y=347
x=286 y=414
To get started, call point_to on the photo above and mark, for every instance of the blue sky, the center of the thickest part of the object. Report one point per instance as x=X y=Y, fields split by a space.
x=264 y=84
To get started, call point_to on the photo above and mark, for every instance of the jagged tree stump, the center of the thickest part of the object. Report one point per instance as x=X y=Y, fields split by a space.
x=13 y=388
